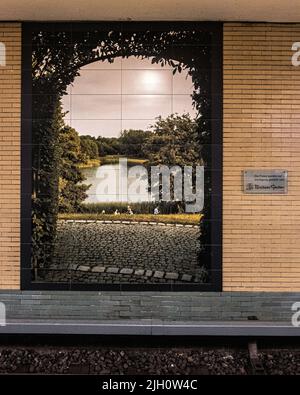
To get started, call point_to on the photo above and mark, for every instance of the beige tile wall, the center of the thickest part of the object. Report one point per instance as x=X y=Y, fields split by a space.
x=261 y=239
x=261 y=130
x=10 y=119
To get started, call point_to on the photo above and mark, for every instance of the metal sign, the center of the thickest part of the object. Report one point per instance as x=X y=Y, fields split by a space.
x=265 y=181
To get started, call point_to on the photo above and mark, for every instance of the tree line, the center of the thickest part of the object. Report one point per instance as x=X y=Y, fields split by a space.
x=130 y=143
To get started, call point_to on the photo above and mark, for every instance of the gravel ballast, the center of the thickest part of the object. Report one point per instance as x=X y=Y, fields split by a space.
x=150 y=361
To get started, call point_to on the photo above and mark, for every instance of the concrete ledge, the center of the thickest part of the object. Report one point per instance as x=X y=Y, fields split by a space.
x=151 y=328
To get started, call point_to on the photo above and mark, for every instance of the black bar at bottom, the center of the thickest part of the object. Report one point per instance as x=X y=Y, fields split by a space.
x=104 y=384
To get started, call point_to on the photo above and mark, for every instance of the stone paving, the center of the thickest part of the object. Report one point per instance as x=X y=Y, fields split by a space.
x=124 y=252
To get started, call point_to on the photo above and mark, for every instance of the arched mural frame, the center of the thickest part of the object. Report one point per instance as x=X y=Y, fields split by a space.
x=210 y=101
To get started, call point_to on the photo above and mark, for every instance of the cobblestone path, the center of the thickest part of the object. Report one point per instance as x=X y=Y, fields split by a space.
x=125 y=253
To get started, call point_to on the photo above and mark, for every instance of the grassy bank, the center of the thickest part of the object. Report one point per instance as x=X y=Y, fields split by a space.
x=90 y=163
x=137 y=207
x=109 y=160
x=186 y=219
x=112 y=159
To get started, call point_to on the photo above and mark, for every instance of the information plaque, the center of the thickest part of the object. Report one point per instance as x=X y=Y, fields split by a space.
x=265 y=181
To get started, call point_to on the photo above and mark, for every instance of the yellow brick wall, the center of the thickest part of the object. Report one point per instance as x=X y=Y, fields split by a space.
x=261 y=233
x=261 y=248
x=10 y=120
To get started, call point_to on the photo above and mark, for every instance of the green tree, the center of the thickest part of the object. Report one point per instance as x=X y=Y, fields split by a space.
x=108 y=146
x=174 y=141
x=71 y=192
x=132 y=141
x=88 y=148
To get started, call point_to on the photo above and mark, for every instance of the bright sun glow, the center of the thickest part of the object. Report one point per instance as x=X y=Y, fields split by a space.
x=150 y=80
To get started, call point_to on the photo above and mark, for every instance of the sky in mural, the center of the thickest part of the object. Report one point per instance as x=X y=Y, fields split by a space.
x=127 y=94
